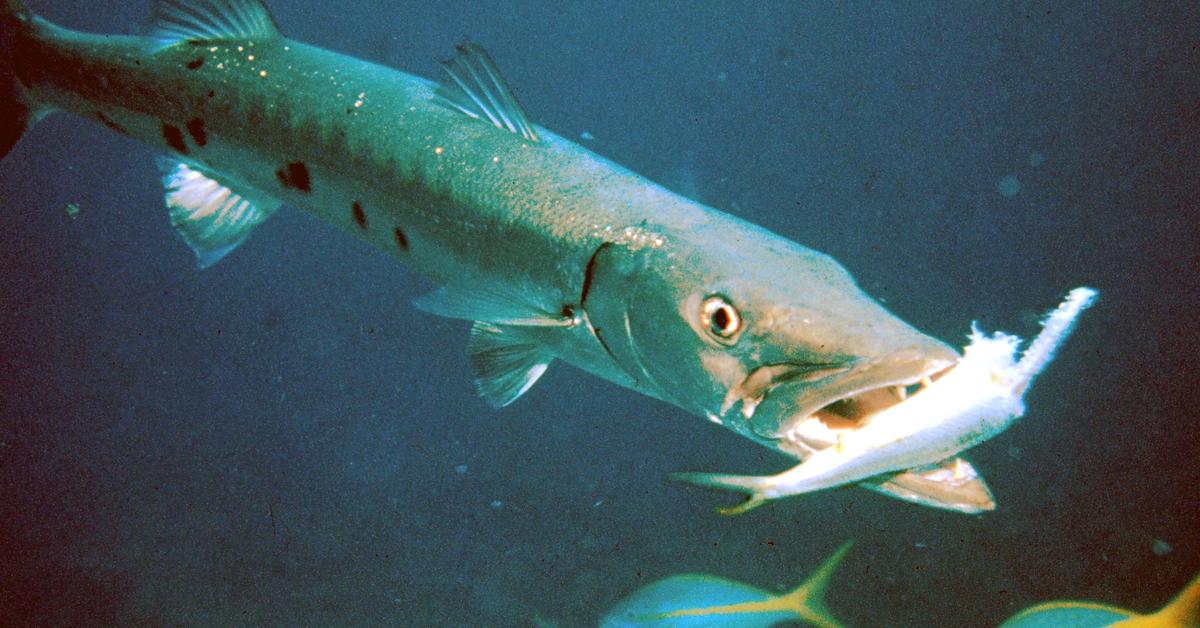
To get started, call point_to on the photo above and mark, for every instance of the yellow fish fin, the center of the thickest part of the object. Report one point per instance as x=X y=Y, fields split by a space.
x=1181 y=612
x=808 y=599
x=752 y=502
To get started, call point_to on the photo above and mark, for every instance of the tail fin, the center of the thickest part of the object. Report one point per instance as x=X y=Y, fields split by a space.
x=15 y=113
x=752 y=485
x=1183 y=611
x=808 y=599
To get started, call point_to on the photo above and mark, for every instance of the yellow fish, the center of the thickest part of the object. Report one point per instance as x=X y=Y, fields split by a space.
x=1183 y=611
x=705 y=600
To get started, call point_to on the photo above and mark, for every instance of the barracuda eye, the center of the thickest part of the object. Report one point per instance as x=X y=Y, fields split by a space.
x=720 y=319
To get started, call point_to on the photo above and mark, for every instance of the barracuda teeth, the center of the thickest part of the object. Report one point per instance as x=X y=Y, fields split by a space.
x=727 y=403
x=900 y=392
x=925 y=382
x=749 y=406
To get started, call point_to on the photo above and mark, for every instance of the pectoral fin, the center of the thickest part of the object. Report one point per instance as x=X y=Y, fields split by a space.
x=510 y=307
x=506 y=359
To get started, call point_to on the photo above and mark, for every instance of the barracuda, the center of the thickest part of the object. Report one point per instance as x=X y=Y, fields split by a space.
x=552 y=251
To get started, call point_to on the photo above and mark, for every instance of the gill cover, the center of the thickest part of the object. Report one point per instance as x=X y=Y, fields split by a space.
x=610 y=286
x=633 y=310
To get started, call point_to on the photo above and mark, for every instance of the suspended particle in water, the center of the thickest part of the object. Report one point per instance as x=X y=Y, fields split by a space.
x=1160 y=547
x=1009 y=186
x=1036 y=159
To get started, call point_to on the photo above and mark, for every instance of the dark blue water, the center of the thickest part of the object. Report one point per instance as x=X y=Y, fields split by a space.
x=282 y=440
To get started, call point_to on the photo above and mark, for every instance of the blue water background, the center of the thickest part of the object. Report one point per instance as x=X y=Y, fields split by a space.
x=282 y=440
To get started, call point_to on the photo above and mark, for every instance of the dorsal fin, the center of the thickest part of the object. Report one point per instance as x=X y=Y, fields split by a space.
x=482 y=92
x=212 y=21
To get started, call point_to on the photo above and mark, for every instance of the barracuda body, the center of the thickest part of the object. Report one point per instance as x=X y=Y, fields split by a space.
x=553 y=252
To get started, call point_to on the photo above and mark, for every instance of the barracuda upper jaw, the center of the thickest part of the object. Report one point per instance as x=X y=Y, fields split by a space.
x=752 y=390
x=842 y=398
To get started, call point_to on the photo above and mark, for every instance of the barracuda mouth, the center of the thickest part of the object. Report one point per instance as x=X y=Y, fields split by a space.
x=811 y=402
x=815 y=425
x=851 y=410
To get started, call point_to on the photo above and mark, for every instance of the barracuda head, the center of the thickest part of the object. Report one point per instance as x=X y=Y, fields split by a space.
x=755 y=332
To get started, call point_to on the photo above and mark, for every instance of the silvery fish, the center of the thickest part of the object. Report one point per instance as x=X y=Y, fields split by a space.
x=550 y=250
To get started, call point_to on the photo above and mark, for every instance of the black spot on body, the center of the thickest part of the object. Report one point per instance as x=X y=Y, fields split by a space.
x=401 y=240
x=360 y=216
x=195 y=128
x=195 y=63
x=299 y=174
x=174 y=138
x=294 y=175
x=211 y=93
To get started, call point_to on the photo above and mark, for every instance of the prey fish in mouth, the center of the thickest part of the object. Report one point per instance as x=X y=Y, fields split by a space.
x=967 y=404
